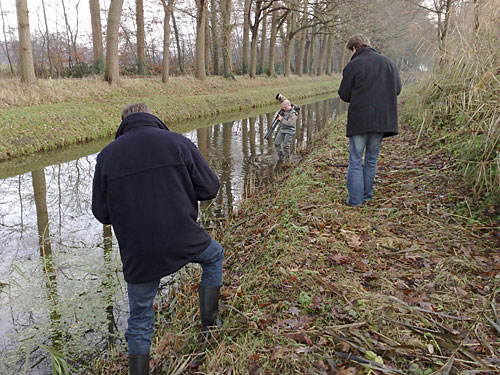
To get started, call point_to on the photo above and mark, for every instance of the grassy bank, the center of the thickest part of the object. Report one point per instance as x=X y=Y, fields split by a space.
x=52 y=114
x=402 y=285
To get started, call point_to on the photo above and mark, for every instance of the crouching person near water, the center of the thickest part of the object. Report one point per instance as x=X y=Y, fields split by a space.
x=283 y=140
x=147 y=184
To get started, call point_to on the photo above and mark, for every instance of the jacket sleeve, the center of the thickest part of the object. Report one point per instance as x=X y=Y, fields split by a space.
x=398 y=83
x=205 y=181
x=346 y=84
x=99 y=195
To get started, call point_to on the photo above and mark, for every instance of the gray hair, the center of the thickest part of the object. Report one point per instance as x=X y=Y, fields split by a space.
x=135 y=108
x=286 y=103
x=358 y=41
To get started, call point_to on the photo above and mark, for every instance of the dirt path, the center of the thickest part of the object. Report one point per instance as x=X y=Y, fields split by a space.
x=405 y=280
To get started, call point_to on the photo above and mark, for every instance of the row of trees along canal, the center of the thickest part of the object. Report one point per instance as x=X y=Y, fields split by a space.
x=220 y=37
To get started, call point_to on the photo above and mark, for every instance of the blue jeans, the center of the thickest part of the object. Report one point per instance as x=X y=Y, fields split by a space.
x=360 y=175
x=141 y=296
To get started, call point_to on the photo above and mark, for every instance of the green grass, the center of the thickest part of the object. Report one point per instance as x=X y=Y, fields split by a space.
x=59 y=113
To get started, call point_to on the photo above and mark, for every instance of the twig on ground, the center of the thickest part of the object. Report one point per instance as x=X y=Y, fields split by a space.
x=366 y=362
x=443 y=315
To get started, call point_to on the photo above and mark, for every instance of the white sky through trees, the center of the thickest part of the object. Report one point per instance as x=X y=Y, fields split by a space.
x=55 y=16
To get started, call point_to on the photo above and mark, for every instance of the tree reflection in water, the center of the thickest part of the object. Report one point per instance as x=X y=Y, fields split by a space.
x=42 y=216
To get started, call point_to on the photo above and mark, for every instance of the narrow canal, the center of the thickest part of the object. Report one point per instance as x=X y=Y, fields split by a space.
x=61 y=284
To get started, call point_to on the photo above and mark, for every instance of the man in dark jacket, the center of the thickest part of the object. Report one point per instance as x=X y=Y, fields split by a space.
x=371 y=84
x=147 y=184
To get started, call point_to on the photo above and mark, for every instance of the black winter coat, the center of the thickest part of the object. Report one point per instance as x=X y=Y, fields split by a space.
x=147 y=184
x=371 y=85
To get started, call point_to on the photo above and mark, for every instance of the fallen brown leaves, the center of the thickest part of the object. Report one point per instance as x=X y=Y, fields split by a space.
x=400 y=286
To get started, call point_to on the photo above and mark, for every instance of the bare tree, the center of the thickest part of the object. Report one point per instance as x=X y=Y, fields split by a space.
x=302 y=41
x=275 y=25
x=5 y=39
x=25 y=50
x=95 y=19
x=288 y=37
x=112 y=74
x=263 y=38
x=215 y=35
x=178 y=45
x=246 y=33
x=47 y=37
x=139 y=17
x=71 y=35
x=254 y=28
x=330 y=44
x=441 y=9
x=226 y=38
x=476 y=16
x=321 y=58
x=207 y=43
x=201 y=16
x=167 y=9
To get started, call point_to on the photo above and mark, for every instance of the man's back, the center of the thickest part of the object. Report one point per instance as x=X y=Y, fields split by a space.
x=371 y=84
x=147 y=184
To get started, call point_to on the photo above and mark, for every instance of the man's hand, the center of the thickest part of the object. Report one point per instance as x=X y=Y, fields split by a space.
x=280 y=117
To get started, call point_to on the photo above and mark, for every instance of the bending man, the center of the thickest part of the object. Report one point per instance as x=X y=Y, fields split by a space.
x=147 y=184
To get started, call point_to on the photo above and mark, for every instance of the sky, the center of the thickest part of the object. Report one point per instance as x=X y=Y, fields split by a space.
x=75 y=9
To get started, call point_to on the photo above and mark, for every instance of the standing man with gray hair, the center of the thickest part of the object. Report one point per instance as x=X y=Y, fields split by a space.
x=283 y=141
x=371 y=84
x=147 y=184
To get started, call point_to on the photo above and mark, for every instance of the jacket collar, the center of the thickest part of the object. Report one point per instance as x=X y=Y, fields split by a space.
x=139 y=119
x=364 y=50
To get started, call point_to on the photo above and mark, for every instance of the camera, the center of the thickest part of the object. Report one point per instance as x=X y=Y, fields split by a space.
x=281 y=98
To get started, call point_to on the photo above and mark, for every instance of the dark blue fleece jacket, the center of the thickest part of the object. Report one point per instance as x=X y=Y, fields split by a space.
x=147 y=184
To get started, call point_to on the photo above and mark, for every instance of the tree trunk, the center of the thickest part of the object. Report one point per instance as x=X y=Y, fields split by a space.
x=312 y=52
x=246 y=31
x=215 y=36
x=321 y=59
x=476 y=16
x=25 y=51
x=288 y=40
x=207 y=43
x=329 y=56
x=112 y=73
x=139 y=17
x=49 y=57
x=5 y=40
x=226 y=38
x=49 y=269
x=178 y=44
x=201 y=15
x=95 y=17
x=71 y=38
x=302 y=42
x=306 y=54
x=263 y=37
x=253 y=55
x=255 y=35
x=167 y=9
x=444 y=34
x=271 y=72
